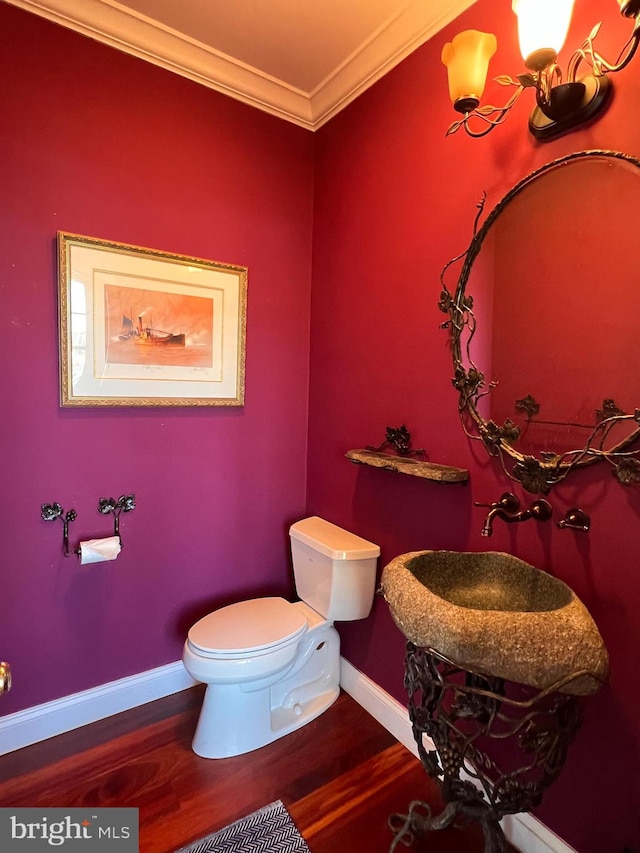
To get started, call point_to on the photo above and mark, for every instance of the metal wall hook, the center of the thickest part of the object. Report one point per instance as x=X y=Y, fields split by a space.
x=50 y=512
x=575 y=519
x=125 y=503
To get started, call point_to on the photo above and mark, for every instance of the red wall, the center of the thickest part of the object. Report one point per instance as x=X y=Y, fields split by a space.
x=101 y=144
x=394 y=202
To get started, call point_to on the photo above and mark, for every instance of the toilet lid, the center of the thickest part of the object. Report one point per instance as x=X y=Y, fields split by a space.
x=248 y=626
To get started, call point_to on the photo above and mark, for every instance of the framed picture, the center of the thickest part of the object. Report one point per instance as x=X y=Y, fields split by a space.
x=142 y=327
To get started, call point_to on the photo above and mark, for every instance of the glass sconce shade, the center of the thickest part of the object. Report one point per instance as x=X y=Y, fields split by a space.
x=542 y=29
x=467 y=61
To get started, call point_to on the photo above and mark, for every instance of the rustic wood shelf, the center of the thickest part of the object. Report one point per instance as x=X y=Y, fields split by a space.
x=409 y=465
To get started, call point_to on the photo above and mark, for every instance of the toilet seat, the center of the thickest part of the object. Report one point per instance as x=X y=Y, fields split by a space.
x=253 y=627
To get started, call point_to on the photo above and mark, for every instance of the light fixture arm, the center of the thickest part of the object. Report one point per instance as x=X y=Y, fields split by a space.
x=546 y=81
x=485 y=114
x=597 y=62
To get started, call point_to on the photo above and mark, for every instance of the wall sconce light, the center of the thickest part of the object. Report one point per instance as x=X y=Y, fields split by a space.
x=561 y=104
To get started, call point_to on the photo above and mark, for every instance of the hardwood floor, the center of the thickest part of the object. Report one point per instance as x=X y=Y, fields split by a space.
x=340 y=777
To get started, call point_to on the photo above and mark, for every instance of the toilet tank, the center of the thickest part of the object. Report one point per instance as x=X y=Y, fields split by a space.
x=334 y=570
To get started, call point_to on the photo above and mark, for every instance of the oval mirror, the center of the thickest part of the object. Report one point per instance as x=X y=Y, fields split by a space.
x=542 y=322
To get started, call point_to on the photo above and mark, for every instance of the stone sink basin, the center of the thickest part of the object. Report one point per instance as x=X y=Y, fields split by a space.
x=493 y=613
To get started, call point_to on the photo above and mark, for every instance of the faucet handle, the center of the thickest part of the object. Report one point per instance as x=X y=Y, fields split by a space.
x=541 y=510
x=508 y=502
x=575 y=519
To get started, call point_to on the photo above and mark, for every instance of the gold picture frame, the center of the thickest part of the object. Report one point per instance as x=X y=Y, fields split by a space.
x=143 y=327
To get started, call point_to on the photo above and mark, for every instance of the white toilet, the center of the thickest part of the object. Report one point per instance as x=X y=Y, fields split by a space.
x=271 y=666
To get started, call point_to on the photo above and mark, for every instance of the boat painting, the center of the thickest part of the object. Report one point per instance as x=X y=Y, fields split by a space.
x=148 y=336
x=151 y=329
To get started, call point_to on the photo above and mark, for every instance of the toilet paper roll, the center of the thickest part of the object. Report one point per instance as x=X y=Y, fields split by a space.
x=99 y=550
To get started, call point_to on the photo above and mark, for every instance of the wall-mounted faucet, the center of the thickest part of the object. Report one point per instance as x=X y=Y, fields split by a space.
x=508 y=509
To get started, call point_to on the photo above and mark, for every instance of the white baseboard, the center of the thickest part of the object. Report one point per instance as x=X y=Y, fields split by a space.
x=32 y=725
x=524 y=831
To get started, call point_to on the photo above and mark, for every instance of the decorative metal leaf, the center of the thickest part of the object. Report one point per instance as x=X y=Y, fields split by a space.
x=505 y=80
x=528 y=405
x=399 y=438
x=127 y=502
x=527 y=81
x=609 y=410
x=475 y=379
x=460 y=379
x=106 y=505
x=509 y=431
x=445 y=301
x=594 y=32
x=491 y=436
x=532 y=475
x=454 y=127
x=50 y=512
x=627 y=471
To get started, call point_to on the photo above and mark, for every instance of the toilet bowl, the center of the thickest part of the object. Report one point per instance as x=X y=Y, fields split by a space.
x=270 y=665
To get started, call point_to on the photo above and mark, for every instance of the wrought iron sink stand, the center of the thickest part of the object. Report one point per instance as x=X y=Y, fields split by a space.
x=498 y=745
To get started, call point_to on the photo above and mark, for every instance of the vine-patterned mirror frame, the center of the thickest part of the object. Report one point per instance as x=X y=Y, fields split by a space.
x=536 y=474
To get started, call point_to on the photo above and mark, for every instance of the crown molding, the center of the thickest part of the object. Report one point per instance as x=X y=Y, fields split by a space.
x=117 y=26
x=413 y=25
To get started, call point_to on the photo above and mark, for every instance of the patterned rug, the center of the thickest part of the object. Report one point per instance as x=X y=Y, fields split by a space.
x=269 y=830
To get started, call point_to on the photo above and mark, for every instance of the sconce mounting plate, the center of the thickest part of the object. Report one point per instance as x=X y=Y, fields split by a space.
x=597 y=92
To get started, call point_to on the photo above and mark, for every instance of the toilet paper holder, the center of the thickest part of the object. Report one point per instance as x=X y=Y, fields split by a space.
x=106 y=506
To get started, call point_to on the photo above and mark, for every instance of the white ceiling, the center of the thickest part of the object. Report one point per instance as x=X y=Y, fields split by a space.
x=302 y=60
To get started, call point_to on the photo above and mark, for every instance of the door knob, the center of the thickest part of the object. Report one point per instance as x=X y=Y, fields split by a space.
x=5 y=677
